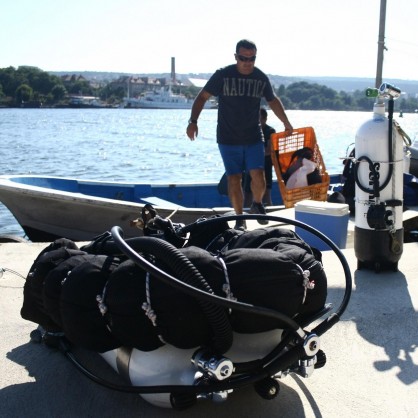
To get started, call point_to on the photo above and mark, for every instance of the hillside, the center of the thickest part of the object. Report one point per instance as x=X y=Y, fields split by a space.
x=350 y=84
x=347 y=84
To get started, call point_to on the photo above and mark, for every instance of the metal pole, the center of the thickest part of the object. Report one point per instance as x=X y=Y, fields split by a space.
x=381 y=43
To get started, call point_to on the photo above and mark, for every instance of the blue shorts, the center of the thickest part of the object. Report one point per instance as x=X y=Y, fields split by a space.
x=239 y=158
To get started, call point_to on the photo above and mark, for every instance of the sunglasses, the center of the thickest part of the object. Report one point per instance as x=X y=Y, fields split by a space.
x=246 y=59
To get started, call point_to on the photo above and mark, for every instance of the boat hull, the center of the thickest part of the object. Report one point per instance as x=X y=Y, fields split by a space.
x=144 y=104
x=48 y=207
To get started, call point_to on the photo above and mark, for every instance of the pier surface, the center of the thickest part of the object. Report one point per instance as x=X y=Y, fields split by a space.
x=371 y=370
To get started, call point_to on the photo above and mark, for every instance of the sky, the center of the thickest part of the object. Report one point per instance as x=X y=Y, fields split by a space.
x=294 y=37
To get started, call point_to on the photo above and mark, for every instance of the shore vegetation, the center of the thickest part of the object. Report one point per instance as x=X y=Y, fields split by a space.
x=28 y=86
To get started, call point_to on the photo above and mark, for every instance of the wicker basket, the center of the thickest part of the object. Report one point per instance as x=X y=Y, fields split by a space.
x=282 y=148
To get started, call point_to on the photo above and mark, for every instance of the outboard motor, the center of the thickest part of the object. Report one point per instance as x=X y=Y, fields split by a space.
x=378 y=234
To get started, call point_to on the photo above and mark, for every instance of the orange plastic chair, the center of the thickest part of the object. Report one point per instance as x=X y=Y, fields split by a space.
x=282 y=149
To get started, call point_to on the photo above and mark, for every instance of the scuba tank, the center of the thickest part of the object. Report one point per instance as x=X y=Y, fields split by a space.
x=378 y=171
x=169 y=365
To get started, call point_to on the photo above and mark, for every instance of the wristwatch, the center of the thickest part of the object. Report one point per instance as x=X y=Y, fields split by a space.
x=193 y=121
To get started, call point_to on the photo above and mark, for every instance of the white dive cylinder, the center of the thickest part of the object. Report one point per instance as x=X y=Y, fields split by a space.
x=378 y=234
x=169 y=365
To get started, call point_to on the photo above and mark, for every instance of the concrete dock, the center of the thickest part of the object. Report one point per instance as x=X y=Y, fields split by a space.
x=371 y=370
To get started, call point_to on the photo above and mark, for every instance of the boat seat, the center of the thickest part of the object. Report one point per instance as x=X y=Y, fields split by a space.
x=162 y=203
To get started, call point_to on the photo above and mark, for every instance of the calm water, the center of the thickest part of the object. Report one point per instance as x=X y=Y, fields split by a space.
x=143 y=145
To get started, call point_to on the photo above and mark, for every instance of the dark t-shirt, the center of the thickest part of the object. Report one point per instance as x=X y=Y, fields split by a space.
x=267 y=131
x=239 y=98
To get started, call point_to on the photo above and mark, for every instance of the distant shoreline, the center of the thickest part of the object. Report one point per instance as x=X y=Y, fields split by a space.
x=347 y=84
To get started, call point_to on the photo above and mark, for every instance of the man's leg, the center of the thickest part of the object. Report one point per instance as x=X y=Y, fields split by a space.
x=268 y=172
x=235 y=192
x=254 y=161
x=267 y=198
x=248 y=195
x=258 y=184
x=233 y=159
x=258 y=187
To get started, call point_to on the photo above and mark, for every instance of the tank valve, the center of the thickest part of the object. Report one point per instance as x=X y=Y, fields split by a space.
x=214 y=367
x=388 y=90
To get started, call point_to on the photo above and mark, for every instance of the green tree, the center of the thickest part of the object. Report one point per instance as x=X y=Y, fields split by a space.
x=190 y=91
x=406 y=105
x=23 y=93
x=111 y=94
x=7 y=80
x=301 y=91
x=281 y=91
x=81 y=87
x=361 y=101
x=58 y=92
x=347 y=99
x=307 y=96
x=41 y=84
x=313 y=103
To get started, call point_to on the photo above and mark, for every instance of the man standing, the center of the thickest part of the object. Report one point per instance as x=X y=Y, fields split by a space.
x=239 y=88
x=268 y=164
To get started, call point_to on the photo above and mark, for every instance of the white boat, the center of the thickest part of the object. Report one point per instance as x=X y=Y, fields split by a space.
x=51 y=207
x=163 y=99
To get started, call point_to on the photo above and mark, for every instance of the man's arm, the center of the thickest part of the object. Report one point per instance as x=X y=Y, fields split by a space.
x=277 y=107
x=198 y=104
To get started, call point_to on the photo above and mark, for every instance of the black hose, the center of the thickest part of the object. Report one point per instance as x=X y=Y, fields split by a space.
x=375 y=192
x=183 y=268
x=391 y=104
x=376 y=188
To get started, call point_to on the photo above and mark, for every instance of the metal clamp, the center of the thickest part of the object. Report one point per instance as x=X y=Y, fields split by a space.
x=216 y=368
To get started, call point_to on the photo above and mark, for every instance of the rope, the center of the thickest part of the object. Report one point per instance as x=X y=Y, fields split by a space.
x=147 y=307
x=307 y=284
x=226 y=286
x=4 y=269
x=406 y=139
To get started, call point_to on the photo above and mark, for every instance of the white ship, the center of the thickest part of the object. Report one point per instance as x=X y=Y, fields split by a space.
x=163 y=99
